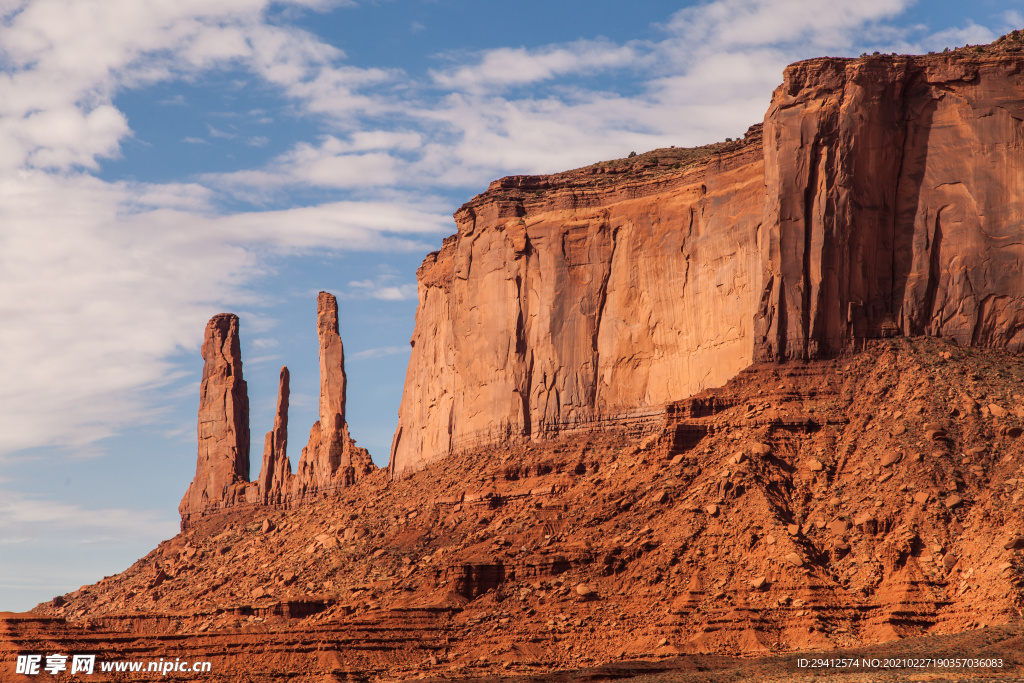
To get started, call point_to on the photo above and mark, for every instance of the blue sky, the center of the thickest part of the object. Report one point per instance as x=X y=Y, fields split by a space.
x=165 y=160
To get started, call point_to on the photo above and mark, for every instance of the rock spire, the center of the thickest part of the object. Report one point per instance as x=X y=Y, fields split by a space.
x=331 y=458
x=329 y=461
x=222 y=465
x=277 y=469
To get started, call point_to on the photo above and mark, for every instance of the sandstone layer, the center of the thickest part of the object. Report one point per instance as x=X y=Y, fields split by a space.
x=222 y=464
x=329 y=461
x=884 y=198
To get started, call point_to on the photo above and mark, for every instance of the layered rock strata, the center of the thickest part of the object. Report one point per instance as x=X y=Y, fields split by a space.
x=222 y=464
x=802 y=506
x=330 y=460
x=885 y=199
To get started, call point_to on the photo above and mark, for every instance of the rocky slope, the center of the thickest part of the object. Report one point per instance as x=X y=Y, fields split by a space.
x=882 y=198
x=809 y=505
x=330 y=460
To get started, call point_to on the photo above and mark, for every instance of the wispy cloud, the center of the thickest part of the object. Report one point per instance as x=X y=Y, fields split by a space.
x=385 y=287
x=501 y=68
x=22 y=516
x=379 y=352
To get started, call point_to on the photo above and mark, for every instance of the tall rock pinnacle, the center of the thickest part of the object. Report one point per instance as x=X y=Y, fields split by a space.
x=277 y=469
x=330 y=458
x=332 y=380
x=223 y=459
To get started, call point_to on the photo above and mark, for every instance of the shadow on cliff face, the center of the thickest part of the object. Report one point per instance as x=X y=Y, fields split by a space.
x=913 y=249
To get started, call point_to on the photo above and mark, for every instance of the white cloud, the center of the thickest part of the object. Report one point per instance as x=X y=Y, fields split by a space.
x=222 y=134
x=100 y=289
x=384 y=287
x=64 y=60
x=971 y=34
x=379 y=352
x=264 y=343
x=725 y=25
x=503 y=67
x=23 y=515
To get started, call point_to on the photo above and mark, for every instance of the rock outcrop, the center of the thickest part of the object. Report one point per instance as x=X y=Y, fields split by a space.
x=331 y=460
x=885 y=199
x=222 y=465
x=277 y=469
x=805 y=506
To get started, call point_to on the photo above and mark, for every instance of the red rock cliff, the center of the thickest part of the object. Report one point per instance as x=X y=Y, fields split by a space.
x=568 y=300
x=893 y=204
x=886 y=199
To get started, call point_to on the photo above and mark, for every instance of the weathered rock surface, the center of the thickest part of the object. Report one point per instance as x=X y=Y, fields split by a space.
x=277 y=469
x=806 y=505
x=893 y=203
x=885 y=199
x=222 y=466
x=568 y=301
x=482 y=555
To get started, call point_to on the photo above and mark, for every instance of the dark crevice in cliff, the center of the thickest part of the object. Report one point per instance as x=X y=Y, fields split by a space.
x=895 y=226
x=917 y=130
x=522 y=350
x=934 y=269
x=810 y=193
x=599 y=316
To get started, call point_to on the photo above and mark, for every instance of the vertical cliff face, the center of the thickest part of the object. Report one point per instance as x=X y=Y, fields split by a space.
x=222 y=465
x=568 y=300
x=886 y=200
x=277 y=470
x=893 y=203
